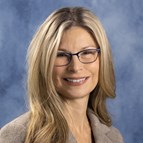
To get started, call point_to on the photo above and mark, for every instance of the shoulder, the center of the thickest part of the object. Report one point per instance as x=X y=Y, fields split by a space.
x=15 y=131
x=102 y=132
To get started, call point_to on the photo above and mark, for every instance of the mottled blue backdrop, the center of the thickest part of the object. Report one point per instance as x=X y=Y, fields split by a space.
x=123 y=22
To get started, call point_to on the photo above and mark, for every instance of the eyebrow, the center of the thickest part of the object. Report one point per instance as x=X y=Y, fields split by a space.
x=84 y=48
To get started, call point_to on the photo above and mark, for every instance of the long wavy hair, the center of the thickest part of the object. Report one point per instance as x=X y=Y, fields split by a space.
x=47 y=123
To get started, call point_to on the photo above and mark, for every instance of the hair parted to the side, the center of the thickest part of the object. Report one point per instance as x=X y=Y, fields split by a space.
x=47 y=123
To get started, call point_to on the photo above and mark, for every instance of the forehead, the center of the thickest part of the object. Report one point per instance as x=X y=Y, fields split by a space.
x=76 y=38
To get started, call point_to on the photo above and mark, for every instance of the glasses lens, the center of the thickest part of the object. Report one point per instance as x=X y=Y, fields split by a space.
x=88 y=56
x=62 y=59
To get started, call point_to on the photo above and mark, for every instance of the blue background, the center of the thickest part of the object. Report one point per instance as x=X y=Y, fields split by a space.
x=123 y=22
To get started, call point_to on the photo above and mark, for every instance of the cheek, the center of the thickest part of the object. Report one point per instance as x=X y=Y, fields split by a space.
x=95 y=71
x=57 y=76
x=95 y=67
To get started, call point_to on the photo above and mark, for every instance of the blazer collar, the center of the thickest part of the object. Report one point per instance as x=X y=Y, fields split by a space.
x=99 y=130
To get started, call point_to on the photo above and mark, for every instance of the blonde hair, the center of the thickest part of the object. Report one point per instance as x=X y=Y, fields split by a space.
x=47 y=123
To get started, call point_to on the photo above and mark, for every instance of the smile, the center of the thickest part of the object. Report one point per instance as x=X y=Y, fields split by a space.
x=76 y=80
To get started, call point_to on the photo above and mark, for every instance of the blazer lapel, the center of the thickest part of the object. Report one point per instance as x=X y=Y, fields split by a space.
x=99 y=130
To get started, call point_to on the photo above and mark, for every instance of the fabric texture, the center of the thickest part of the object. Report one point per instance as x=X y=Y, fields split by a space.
x=15 y=131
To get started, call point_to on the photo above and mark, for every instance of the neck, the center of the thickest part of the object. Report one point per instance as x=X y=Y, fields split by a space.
x=75 y=113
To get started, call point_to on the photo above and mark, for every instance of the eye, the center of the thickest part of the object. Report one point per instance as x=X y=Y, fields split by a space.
x=62 y=54
x=88 y=52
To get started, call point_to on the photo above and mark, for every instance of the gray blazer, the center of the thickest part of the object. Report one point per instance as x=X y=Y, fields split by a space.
x=15 y=131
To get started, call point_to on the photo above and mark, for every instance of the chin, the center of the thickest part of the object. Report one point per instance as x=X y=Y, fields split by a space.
x=74 y=95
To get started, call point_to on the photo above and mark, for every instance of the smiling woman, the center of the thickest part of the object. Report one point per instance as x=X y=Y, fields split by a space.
x=70 y=76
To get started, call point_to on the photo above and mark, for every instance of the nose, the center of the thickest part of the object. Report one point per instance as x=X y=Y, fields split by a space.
x=75 y=65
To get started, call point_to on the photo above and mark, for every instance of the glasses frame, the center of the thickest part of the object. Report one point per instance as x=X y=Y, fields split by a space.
x=78 y=55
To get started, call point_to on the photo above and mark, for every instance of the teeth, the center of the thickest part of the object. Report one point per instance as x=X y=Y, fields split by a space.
x=76 y=80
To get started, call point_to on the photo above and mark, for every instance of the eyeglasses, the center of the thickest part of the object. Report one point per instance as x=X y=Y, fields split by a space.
x=86 y=56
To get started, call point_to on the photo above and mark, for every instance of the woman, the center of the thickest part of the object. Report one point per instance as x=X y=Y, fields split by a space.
x=70 y=75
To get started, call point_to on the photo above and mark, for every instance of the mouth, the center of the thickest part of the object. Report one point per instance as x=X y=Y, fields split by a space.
x=76 y=81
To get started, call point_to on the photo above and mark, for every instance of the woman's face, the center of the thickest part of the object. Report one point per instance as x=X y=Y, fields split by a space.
x=76 y=80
